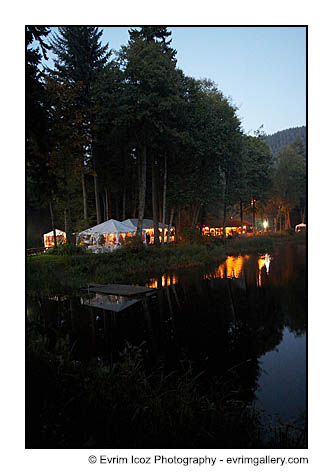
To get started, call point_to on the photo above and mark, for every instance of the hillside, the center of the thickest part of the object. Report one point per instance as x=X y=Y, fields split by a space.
x=278 y=140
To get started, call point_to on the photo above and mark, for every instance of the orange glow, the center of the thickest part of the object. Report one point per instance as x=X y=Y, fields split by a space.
x=49 y=240
x=166 y=280
x=163 y=233
x=219 y=230
x=152 y=283
x=263 y=261
x=231 y=268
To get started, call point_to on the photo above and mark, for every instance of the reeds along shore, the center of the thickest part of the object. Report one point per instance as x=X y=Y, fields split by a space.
x=71 y=269
x=75 y=405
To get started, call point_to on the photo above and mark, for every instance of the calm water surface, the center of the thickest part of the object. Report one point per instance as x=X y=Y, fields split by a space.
x=244 y=320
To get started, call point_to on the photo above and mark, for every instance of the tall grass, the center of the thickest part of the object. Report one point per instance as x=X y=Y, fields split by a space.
x=74 y=405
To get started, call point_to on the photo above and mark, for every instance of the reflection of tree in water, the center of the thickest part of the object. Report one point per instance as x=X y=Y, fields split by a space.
x=218 y=323
x=288 y=272
x=221 y=327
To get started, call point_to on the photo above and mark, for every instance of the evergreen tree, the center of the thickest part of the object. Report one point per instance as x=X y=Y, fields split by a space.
x=289 y=181
x=150 y=101
x=80 y=58
x=41 y=186
x=258 y=172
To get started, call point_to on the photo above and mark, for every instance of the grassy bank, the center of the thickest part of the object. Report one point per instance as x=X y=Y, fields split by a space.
x=67 y=273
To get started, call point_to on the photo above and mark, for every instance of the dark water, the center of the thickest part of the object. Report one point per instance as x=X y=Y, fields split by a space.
x=244 y=320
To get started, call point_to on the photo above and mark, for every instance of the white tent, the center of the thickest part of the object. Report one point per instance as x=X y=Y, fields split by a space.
x=113 y=232
x=300 y=227
x=49 y=238
x=146 y=223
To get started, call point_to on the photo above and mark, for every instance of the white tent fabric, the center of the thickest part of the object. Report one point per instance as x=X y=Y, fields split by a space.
x=108 y=227
x=112 y=226
x=299 y=227
x=132 y=223
x=49 y=238
x=146 y=224
x=58 y=232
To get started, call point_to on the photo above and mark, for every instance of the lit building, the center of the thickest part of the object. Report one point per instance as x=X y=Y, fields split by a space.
x=232 y=227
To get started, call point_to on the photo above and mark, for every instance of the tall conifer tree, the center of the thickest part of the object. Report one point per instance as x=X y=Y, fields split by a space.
x=80 y=57
x=150 y=100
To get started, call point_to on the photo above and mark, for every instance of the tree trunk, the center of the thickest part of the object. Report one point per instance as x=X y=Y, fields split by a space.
x=280 y=221
x=68 y=221
x=65 y=221
x=224 y=203
x=196 y=215
x=154 y=202
x=84 y=196
x=170 y=223
x=53 y=226
x=253 y=216
x=142 y=189
x=97 y=202
x=124 y=203
x=179 y=224
x=202 y=217
x=224 y=215
x=116 y=200
x=107 y=205
x=134 y=198
x=164 y=194
x=241 y=214
x=288 y=219
x=104 y=207
x=67 y=214
x=68 y=226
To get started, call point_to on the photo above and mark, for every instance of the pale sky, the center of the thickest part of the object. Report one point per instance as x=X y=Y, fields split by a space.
x=262 y=69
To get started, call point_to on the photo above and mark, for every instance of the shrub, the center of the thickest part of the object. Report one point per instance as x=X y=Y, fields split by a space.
x=66 y=249
x=189 y=235
x=132 y=245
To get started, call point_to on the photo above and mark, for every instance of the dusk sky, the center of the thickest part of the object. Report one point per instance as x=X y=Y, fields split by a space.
x=262 y=69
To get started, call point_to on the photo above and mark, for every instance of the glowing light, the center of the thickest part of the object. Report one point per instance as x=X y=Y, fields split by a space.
x=231 y=268
x=263 y=261
x=265 y=224
x=166 y=280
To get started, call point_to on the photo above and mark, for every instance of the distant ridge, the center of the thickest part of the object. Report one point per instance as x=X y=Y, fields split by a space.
x=278 y=140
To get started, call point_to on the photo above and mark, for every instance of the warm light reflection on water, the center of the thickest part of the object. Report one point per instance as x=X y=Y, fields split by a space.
x=263 y=261
x=165 y=280
x=231 y=268
x=234 y=266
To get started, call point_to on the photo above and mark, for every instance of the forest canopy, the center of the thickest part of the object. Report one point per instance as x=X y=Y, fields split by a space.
x=120 y=134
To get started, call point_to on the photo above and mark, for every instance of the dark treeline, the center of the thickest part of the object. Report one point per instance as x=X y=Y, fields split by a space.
x=128 y=134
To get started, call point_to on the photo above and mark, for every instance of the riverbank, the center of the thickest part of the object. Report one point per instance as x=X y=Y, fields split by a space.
x=57 y=274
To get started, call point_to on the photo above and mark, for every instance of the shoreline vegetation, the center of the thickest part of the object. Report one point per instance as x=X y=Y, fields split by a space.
x=75 y=404
x=70 y=269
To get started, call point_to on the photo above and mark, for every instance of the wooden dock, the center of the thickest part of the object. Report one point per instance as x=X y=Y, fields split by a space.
x=116 y=297
x=121 y=290
x=102 y=302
